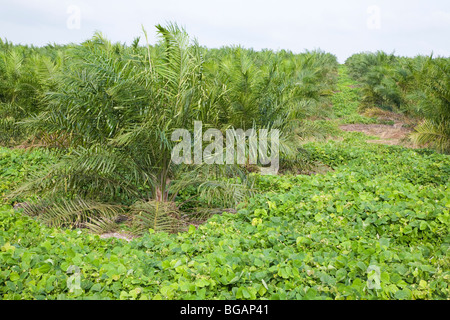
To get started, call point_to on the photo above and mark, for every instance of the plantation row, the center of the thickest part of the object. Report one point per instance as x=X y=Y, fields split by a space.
x=417 y=86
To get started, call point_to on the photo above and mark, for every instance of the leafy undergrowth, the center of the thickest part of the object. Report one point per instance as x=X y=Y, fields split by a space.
x=304 y=237
x=347 y=99
x=17 y=164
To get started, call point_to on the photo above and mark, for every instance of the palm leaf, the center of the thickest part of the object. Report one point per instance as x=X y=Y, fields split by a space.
x=156 y=215
x=75 y=213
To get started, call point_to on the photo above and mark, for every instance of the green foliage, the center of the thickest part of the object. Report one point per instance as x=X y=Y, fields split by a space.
x=379 y=74
x=270 y=89
x=346 y=100
x=110 y=111
x=419 y=167
x=18 y=165
x=434 y=104
x=26 y=74
x=114 y=108
x=304 y=237
x=319 y=129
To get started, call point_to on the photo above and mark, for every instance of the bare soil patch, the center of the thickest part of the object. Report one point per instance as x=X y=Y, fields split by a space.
x=395 y=134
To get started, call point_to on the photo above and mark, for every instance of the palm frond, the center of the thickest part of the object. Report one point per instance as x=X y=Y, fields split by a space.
x=430 y=133
x=71 y=213
x=157 y=215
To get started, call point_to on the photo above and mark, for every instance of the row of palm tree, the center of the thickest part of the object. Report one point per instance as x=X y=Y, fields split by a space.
x=434 y=104
x=418 y=86
x=26 y=74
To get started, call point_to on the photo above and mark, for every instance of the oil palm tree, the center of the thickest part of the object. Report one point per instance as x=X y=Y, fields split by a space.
x=116 y=107
x=119 y=107
x=434 y=104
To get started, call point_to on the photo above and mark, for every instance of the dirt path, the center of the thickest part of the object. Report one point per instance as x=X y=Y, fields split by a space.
x=395 y=134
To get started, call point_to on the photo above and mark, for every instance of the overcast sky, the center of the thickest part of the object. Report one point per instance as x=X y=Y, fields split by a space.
x=343 y=27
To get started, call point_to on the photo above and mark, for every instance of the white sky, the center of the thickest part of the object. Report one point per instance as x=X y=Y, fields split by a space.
x=342 y=27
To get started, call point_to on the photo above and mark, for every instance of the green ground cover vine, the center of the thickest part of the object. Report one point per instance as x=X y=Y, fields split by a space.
x=302 y=237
